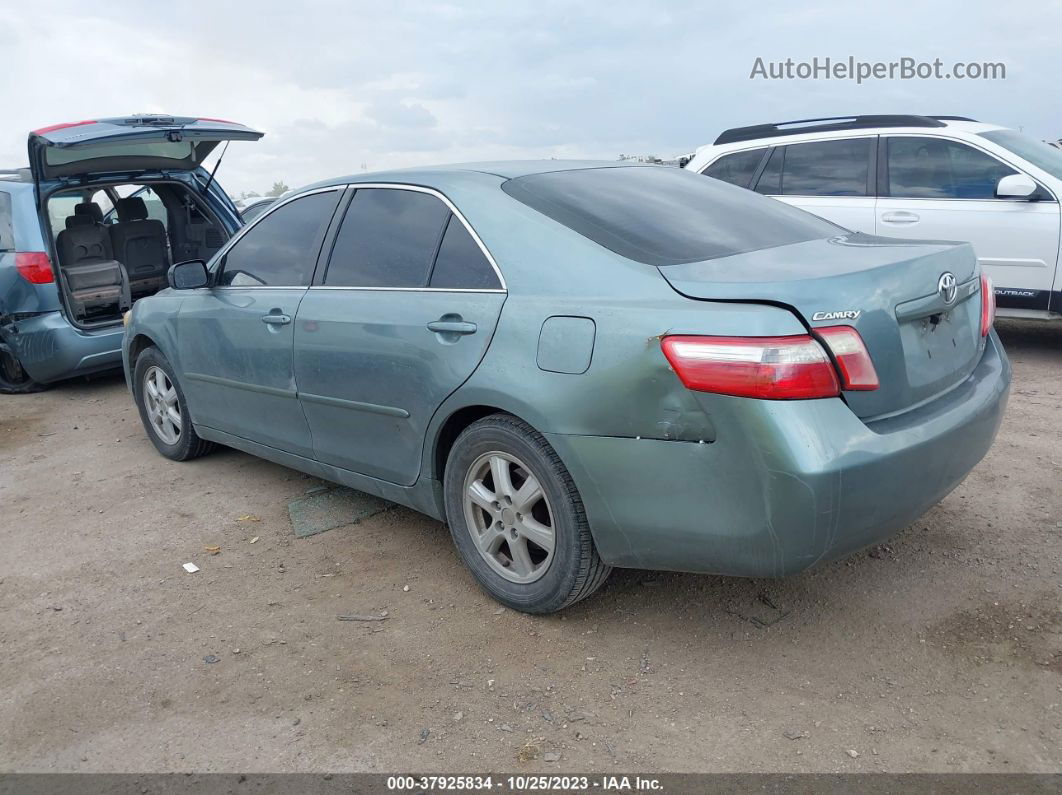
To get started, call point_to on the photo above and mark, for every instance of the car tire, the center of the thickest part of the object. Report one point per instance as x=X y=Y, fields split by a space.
x=175 y=440
x=14 y=380
x=526 y=576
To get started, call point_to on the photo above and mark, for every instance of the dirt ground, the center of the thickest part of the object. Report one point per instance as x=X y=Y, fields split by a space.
x=939 y=651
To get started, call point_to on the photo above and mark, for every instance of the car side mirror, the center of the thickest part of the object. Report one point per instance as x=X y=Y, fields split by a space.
x=1017 y=186
x=188 y=275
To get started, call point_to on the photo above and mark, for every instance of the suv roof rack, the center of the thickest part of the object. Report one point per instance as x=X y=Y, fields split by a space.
x=829 y=123
x=20 y=174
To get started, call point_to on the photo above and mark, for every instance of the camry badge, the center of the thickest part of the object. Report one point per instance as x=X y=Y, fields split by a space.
x=843 y=314
x=948 y=287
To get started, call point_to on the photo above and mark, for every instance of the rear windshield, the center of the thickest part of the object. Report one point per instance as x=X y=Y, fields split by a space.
x=665 y=216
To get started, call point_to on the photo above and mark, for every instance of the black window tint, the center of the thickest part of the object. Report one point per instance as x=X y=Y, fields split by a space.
x=7 y=227
x=281 y=249
x=461 y=263
x=664 y=216
x=770 y=181
x=827 y=168
x=932 y=168
x=388 y=239
x=737 y=169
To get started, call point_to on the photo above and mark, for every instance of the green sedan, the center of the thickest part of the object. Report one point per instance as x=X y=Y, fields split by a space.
x=582 y=365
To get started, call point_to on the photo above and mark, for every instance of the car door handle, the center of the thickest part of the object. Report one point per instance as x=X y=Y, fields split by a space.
x=900 y=217
x=452 y=327
x=276 y=319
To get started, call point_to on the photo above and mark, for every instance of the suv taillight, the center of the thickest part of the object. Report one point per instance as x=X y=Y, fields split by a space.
x=988 y=305
x=34 y=267
x=774 y=368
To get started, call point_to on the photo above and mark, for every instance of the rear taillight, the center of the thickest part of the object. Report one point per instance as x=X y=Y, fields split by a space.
x=34 y=267
x=988 y=305
x=853 y=360
x=774 y=368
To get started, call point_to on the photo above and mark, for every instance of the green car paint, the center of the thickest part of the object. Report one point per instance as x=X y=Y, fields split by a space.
x=359 y=391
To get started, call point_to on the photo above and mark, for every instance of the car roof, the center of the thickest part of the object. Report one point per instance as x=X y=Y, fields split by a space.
x=505 y=169
x=946 y=125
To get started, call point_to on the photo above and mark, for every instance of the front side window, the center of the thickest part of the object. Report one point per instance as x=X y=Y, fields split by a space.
x=155 y=208
x=388 y=239
x=281 y=249
x=933 y=168
x=826 y=168
x=1040 y=154
x=737 y=169
x=663 y=216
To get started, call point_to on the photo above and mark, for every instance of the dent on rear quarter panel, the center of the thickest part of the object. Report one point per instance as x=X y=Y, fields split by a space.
x=628 y=390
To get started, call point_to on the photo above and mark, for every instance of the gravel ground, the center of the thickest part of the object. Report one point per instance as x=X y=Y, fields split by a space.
x=939 y=651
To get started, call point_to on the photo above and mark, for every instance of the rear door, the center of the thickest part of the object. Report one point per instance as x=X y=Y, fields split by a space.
x=399 y=319
x=937 y=189
x=128 y=144
x=833 y=179
x=235 y=338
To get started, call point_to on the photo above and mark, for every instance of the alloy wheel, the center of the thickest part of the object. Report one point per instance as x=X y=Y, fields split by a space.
x=509 y=517
x=163 y=407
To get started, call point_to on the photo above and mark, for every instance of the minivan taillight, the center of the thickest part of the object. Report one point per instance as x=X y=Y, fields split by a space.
x=853 y=360
x=773 y=368
x=988 y=304
x=34 y=267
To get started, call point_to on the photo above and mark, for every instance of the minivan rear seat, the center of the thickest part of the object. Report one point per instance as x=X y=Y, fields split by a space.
x=141 y=245
x=95 y=282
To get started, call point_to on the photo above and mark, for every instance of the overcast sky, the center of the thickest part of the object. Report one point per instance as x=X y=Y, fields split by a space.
x=338 y=86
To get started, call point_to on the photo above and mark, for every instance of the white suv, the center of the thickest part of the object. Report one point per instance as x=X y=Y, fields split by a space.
x=921 y=177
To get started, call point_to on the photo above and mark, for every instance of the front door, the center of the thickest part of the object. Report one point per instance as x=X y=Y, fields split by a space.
x=234 y=339
x=938 y=189
x=400 y=318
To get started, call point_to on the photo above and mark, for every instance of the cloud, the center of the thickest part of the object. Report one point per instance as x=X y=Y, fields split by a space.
x=336 y=85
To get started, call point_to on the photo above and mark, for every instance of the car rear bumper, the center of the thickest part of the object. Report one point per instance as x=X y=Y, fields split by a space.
x=50 y=349
x=786 y=484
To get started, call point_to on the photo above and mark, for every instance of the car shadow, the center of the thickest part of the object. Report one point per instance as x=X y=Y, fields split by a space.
x=1020 y=337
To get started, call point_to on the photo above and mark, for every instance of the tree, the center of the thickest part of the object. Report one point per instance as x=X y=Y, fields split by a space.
x=277 y=189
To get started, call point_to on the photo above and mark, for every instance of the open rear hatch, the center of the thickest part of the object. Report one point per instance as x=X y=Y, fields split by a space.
x=129 y=145
x=895 y=293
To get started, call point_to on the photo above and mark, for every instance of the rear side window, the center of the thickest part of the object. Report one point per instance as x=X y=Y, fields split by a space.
x=7 y=224
x=281 y=249
x=460 y=263
x=826 y=168
x=665 y=216
x=737 y=169
x=388 y=239
x=932 y=168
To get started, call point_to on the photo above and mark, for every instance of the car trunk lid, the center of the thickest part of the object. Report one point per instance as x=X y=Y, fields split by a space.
x=893 y=292
x=128 y=145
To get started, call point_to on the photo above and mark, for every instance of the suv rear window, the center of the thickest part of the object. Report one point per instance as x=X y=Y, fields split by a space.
x=662 y=216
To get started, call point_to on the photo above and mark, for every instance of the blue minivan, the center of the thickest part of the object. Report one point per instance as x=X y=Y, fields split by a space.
x=105 y=207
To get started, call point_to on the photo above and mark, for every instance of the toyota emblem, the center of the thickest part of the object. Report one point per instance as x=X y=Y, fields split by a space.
x=947 y=287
